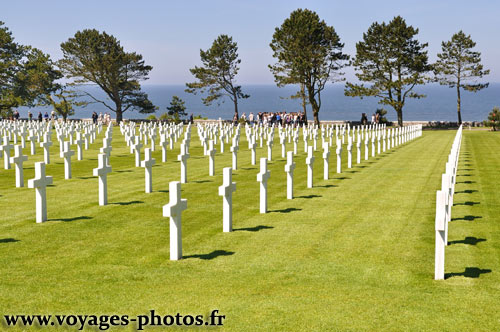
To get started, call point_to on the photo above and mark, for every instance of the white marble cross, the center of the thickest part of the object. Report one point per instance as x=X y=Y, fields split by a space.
x=32 y=139
x=46 y=144
x=234 y=150
x=6 y=147
x=174 y=210
x=366 y=147
x=326 y=159
x=102 y=172
x=163 y=144
x=263 y=177
x=183 y=157
x=79 y=142
x=283 y=147
x=106 y=146
x=440 y=226
x=252 y=145
x=148 y=163
x=270 y=149
x=226 y=191
x=310 y=168
x=289 y=168
x=339 y=157
x=18 y=161
x=40 y=182
x=349 y=152
x=67 y=153
x=137 y=151
x=211 y=157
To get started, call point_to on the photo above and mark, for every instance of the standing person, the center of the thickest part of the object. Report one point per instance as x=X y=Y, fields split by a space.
x=53 y=115
x=30 y=116
x=191 y=119
x=250 y=118
x=235 y=119
x=99 y=118
x=39 y=116
x=364 y=119
x=46 y=117
x=373 y=118
x=377 y=118
x=16 y=115
x=94 y=117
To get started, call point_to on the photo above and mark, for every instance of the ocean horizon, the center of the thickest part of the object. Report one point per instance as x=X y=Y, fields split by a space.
x=439 y=105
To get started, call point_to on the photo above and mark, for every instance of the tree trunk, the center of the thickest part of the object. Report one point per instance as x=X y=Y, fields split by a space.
x=235 y=100
x=400 y=116
x=458 y=105
x=304 y=101
x=315 y=109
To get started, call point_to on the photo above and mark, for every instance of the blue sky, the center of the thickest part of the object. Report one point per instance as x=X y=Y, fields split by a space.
x=169 y=34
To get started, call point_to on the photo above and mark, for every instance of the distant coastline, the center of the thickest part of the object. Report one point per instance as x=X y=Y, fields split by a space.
x=439 y=105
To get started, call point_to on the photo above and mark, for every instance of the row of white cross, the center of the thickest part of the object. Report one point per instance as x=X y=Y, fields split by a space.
x=208 y=138
x=444 y=202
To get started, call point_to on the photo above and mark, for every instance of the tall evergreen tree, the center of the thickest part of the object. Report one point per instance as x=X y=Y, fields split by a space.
x=309 y=54
x=393 y=61
x=217 y=75
x=27 y=75
x=92 y=57
x=459 y=67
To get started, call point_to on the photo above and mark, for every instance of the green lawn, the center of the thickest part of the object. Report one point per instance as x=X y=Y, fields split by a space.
x=354 y=253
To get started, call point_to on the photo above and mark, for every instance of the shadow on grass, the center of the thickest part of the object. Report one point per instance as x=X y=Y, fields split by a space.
x=127 y=203
x=212 y=255
x=464 y=175
x=247 y=168
x=468 y=203
x=201 y=181
x=468 y=240
x=352 y=171
x=470 y=272
x=467 y=169
x=124 y=171
x=71 y=219
x=163 y=191
x=327 y=186
x=361 y=166
x=342 y=178
x=468 y=191
x=8 y=240
x=253 y=229
x=468 y=218
x=310 y=196
x=466 y=182
x=287 y=210
x=87 y=177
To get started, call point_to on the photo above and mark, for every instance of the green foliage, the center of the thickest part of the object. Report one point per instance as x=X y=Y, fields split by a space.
x=309 y=53
x=382 y=112
x=393 y=61
x=63 y=102
x=151 y=117
x=177 y=108
x=98 y=58
x=218 y=73
x=27 y=75
x=493 y=118
x=458 y=65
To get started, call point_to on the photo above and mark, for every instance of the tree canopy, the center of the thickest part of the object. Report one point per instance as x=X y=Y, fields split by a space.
x=459 y=67
x=92 y=57
x=217 y=75
x=27 y=75
x=309 y=54
x=393 y=61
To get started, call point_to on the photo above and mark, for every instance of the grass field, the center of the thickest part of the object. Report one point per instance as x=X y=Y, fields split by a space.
x=354 y=253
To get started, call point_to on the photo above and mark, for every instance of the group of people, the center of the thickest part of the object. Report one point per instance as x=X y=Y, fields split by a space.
x=45 y=117
x=375 y=118
x=276 y=118
x=105 y=119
